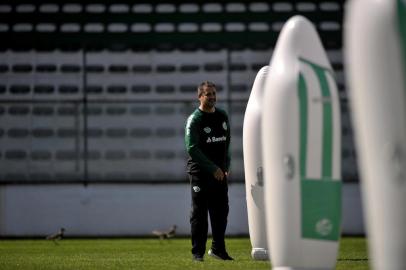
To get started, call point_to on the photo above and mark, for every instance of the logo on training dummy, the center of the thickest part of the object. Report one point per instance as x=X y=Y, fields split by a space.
x=196 y=189
x=225 y=125
x=216 y=139
x=207 y=129
x=324 y=227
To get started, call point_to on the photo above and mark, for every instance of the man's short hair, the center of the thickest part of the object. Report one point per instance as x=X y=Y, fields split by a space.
x=203 y=85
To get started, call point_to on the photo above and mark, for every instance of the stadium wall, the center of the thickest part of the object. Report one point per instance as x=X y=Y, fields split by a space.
x=101 y=210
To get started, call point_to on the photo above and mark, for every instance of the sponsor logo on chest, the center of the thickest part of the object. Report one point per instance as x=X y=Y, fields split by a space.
x=216 y=139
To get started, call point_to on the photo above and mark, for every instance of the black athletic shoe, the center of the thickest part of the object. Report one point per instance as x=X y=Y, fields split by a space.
x=197 y=257
x=220 y=255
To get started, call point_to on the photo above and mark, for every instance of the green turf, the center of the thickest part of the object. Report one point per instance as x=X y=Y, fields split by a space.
x=148 y=254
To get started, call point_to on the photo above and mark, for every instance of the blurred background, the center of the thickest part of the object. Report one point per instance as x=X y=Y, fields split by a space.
x=94 y=96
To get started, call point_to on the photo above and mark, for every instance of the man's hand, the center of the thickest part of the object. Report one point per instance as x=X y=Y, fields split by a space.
x=218 y=174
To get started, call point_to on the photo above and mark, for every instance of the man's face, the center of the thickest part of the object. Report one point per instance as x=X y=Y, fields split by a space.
x=208 y=97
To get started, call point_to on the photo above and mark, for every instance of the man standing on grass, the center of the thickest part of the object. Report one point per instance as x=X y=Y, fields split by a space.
x=207 y=140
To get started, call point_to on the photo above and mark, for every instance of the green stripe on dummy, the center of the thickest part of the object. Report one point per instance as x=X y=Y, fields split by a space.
x=401 y=8
x=303 y=124
x=327 y=156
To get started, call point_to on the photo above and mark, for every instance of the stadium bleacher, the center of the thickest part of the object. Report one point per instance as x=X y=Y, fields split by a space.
x=100 y=91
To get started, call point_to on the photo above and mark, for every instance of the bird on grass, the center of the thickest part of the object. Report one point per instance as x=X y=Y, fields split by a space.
x=165 y=234
x=56 y=236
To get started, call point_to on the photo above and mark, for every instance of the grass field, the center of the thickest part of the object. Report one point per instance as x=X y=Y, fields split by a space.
x=146 y=254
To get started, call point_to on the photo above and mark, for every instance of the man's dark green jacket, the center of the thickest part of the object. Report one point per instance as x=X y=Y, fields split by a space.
x=207 y=141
